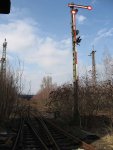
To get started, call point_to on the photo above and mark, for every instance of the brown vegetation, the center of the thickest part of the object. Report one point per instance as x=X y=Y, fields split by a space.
x=8 y=95
x=95 y=102
x=40 y=100
x=94 y=99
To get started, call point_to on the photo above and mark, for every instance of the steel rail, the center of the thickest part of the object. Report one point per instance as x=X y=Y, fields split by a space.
x=18 y=134
x=68 y=135
x=34 y=131
x=83 y=144
x=56 y=147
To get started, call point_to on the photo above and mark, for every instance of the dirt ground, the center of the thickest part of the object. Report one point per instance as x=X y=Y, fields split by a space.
x=106 y=139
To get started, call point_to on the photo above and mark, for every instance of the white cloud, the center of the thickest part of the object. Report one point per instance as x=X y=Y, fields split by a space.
x=81 y=19
x=19 y=35
x=40 y=54
x=103 y=33
x=49 y=53
x=93 y=1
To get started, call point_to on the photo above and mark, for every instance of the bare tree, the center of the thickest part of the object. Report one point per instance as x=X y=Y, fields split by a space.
x=8 y=95
x=42 y=96
x=108 y=65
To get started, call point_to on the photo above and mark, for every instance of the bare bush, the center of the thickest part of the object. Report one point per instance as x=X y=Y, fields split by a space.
x=61 y=100
x=8 y=95
x=41 y=98
x=93 y=99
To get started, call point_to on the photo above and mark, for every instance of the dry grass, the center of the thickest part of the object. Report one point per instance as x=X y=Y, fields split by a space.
x=109 y=139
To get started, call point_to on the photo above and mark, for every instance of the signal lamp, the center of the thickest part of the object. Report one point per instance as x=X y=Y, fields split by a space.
x=89 y=7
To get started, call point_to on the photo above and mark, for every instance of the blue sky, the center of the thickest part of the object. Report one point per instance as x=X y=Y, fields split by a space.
x=39 y=36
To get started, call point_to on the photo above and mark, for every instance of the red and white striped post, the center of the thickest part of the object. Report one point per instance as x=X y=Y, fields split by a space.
x=75 y=71
x=74 y=11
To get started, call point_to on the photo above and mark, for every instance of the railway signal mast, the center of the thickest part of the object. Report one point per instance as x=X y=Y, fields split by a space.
x=75 y=41
x=3 y=59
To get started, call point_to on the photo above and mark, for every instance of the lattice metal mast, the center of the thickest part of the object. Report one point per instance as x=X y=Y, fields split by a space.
x=3 y=59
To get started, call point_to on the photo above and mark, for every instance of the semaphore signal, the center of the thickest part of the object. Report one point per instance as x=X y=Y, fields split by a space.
x=75 y=41
x=72 y=5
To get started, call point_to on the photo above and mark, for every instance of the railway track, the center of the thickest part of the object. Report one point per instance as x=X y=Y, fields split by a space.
x=44 y=134
x=37 y=133
x=63 y=140
x=27 y=138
